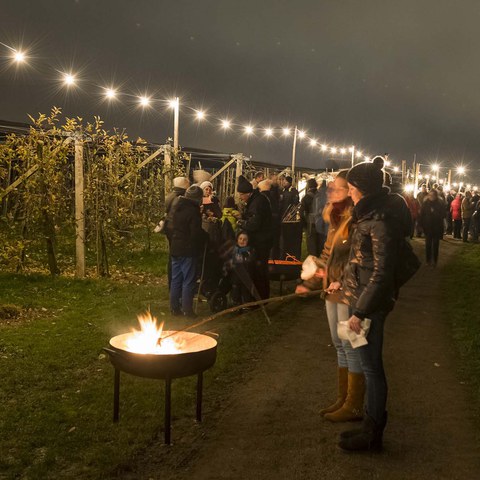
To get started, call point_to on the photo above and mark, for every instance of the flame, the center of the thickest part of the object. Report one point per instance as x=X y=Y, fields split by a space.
x=149 y=338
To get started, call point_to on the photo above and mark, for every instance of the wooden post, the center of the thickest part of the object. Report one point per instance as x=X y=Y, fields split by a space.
x=417 y=174
x=167 y=164
x=239 y=168
x=404 y=172
x=294 y=150
x=176 y=115
x=79 y=209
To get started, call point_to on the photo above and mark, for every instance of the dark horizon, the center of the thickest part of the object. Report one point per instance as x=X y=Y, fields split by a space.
x=383 y=76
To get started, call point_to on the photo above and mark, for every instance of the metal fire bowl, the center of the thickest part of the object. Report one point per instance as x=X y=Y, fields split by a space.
x=198 y=354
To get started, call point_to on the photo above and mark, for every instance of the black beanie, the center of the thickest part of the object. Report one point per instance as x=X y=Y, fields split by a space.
x=289 y=179
x=367 y=177
x=311 y=183
x=244 y=186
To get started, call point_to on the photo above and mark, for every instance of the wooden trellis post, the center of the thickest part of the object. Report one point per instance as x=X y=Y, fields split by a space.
x=79 y=208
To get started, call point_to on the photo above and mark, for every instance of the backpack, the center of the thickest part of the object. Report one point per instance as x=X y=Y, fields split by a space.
x=407 y=263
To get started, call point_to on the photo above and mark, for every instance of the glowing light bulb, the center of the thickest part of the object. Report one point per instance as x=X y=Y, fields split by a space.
x=226 y=124
x=351 y=149
x=268 y=132
x=461 y=170
x=19 y=57
x=144 y=101
x=248 y=129
x=200 y=114
x=435 y=167
x=324 y=147
x=343 y=151
x=286 y=132
x=313 y=142
x=333 y=150
x=359 y=154
x=173 y=103
x=469 y=186
x=110 y=93
x=367 y=158
x=301 y=134
x=387 y=163
x=69 y=79
x=396 y=169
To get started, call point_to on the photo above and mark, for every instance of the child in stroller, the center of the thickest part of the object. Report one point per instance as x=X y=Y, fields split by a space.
x=237 y=277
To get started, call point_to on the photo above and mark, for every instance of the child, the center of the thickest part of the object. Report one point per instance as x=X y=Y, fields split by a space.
x=242 y=264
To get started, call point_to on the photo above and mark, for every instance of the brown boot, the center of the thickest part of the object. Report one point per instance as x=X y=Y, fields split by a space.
x=342 y=374
x=352 y=409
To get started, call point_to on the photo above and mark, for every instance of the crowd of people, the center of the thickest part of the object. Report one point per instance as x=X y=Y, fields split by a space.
x=436 y=214
x=356 y=227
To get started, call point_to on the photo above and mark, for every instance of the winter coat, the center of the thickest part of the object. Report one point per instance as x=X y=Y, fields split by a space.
x=413 y=206
x=257 y=222
x=288 y=197
x=307 y=215
x=230 y=215
x=432 y=214
x=170 y=203
x=456 y=208
x=467 y=208
x=188 y=237
x=398 y=206
x=375 y=238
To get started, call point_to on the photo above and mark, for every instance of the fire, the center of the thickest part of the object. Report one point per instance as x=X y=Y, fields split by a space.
x=149 y=338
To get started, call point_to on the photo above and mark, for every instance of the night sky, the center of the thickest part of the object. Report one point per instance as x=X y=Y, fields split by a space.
x=387 y=76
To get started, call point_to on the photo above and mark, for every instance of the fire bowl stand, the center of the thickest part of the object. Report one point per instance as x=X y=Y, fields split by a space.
x=168 y=401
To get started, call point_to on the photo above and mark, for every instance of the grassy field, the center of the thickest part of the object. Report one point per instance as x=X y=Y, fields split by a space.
x=57 y=384
x=462 y=308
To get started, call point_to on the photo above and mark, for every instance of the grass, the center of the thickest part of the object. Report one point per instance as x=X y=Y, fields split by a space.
x=461 y=309
x=56 y=391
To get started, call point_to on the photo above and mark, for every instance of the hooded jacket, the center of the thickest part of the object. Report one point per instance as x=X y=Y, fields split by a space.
x=375 y=238
x=187 y=237
x=257 y=221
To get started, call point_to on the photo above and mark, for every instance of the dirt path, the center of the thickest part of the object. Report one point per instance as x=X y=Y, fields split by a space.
x=270 y=428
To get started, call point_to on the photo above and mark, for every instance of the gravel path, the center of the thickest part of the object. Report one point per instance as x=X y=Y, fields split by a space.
x=269 y=427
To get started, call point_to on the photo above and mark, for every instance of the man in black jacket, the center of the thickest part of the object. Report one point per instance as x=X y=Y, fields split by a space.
x=186 y=244
x=308 y=217
x=371 y=290
x=257 y=222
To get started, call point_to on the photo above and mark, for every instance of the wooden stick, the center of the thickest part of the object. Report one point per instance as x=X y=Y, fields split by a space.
x=261 y=303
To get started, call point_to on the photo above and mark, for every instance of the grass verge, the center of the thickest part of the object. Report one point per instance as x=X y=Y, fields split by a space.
x=56 y=391
x=461 y=308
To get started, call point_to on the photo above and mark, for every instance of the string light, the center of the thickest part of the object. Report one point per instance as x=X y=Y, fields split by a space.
x=69 y=79
x=461 y=170
x=144 y=101
x=19 y=57
x=343 y=151
x=226 y=125
x=110 y=93
x=395 y=169
x=359 y=154
x=200 y=114
x=435 y=167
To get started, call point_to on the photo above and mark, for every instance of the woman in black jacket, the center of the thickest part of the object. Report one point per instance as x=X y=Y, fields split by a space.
x=371 y=290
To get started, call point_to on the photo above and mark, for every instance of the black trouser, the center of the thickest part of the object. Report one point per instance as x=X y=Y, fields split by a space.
x=457 y=229
x=449 y=224
x=466 y=228
x=260 y=272
x=431 y=249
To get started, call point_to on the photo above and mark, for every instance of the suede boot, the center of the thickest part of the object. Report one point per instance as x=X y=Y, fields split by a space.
x=342 y=375
x=352 y=409
x=368 y=438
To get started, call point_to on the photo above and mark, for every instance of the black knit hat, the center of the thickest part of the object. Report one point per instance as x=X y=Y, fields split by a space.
x=244 y=186
x=289 y=179
x=367 y=177
x=195 y=194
